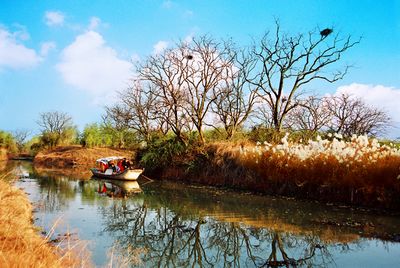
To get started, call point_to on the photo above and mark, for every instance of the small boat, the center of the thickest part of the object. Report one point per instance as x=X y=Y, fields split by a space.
x=126 y=174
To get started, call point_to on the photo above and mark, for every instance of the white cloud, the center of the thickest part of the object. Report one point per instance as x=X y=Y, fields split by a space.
x=94 y=23
x=21 y=34
x=160 y=47
x=89 y=64
x=54 y=18
x=386 y=98
x=46 y=47
x=13 y=53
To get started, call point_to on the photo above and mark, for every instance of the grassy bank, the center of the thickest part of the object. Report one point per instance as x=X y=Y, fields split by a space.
x=359 y=171
x=75 y=155
x=20 y=243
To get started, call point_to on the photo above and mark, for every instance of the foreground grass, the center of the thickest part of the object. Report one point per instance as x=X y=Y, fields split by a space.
x=20 y=243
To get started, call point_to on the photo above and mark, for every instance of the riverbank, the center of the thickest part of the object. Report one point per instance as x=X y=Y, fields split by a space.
x=75 y=156
x=20 y=243
x=367 y=183
x=357 y=173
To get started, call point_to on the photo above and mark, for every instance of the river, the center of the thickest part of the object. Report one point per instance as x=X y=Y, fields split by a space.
x=175 y=225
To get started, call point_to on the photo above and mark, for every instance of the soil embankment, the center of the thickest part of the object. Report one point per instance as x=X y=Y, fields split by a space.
x=75 y=155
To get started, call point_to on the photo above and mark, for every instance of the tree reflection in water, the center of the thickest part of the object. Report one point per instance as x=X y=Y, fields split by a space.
x=173 y=240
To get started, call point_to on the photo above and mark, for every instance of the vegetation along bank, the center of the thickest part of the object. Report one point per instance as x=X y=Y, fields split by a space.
x=360 y=171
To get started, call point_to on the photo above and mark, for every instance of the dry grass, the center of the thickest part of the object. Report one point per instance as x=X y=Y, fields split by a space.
x=20 y=243
x=3 y=154
x=377 y=167
x=64 y=156
x=364 y=171
x=359 y=171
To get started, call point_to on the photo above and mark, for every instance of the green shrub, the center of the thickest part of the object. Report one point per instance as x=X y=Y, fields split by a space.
x=95 y=135
x=160 y=151
x=261 y=133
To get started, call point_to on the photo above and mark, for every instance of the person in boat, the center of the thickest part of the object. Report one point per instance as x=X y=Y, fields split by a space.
x=103 y=166
x=125 y=163
x=114 y=167
x=120 y=165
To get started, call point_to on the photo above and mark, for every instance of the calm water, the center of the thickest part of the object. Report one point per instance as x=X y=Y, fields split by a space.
x=175 y=225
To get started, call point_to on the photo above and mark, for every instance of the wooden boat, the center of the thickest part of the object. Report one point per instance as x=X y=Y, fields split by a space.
x=127 y=174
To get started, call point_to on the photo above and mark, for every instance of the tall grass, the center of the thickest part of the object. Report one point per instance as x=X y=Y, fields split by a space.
x=359 y=168
x=20 y=243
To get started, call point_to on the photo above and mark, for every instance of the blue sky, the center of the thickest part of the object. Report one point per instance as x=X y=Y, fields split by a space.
x=73 y=56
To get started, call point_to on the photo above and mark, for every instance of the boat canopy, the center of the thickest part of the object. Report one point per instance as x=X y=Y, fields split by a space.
x=105 y=160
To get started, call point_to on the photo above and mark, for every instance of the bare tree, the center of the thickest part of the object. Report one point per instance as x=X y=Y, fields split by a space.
x=135 y=110
x=312 y=114
x=20 y=136
x=116 y=122
x=236 y=99
x=350 y=115
x=210 y=66
x=56 y=127
x=284 y=64
x=186 y=80
x=164 y=72
x=54 y=122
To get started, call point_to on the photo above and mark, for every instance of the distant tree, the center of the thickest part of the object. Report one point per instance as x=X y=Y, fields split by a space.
x=351 y=115
x=136 y=110
x=20 y=137
x=312 y=114
x=33 y=145
x=284 y=64
x=92 y=136
x=54 y=122
x=116 y=134
x=56 y=128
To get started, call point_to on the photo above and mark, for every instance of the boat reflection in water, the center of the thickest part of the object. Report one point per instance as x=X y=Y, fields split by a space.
x=118 y=188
